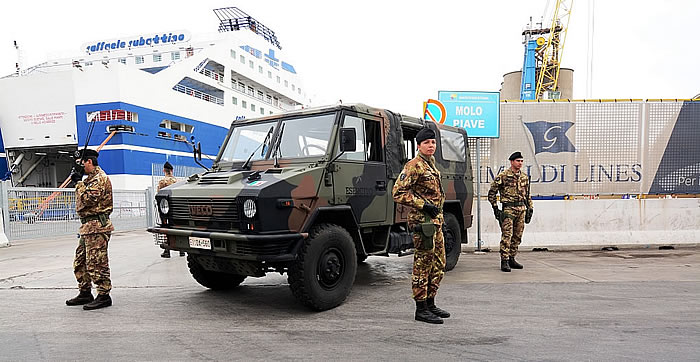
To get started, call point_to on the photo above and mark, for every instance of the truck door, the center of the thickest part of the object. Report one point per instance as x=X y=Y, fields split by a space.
x=361 y=179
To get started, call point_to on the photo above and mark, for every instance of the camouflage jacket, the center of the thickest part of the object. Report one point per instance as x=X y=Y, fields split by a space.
x=418 y=183
x=513 y=187
x=166 y=181
x=93 y=197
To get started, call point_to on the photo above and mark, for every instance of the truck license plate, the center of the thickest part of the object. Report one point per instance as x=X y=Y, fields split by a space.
x=200 y=243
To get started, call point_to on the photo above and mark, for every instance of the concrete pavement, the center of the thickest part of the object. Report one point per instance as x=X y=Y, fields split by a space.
x=640 y=304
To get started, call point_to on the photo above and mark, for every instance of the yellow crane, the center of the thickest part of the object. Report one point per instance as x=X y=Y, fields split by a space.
x=550 y=51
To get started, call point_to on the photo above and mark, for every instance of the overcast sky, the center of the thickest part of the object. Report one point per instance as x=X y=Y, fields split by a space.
x=396 y=54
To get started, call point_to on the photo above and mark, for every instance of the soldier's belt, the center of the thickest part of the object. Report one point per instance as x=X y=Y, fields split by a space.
x=512 y=204
x=101 y=217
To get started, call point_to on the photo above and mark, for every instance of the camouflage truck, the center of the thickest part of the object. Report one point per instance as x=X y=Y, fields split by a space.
x=308 y=193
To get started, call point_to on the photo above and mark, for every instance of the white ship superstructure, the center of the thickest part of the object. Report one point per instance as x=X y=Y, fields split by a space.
x=155 y=94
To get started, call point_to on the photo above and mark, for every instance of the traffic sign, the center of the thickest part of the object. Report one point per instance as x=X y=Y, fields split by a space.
x=477 y=112
x=434 y=111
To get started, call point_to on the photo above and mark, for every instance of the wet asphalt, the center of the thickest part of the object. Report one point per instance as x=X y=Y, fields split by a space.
x=636 y=304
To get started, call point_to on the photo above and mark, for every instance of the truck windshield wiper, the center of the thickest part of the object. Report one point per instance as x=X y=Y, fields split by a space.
x=264 y=142
x=276 y=148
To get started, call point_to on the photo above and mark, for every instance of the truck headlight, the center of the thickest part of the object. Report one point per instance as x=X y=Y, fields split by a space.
x=164 y=205
x=249 y=208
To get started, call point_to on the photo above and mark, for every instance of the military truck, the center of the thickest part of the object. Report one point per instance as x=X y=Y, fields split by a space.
x=308 y=193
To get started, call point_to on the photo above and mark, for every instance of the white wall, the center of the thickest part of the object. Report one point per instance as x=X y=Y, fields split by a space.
x=571 y=224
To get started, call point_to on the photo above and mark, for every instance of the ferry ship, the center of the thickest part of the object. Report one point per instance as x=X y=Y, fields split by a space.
x=152 y=96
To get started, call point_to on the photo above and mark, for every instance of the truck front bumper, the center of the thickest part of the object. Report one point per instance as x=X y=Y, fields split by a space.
x=277 y=247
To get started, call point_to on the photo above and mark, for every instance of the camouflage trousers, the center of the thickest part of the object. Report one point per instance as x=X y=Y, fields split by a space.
x=91 y=263
x=428 y=266
x=512 y=232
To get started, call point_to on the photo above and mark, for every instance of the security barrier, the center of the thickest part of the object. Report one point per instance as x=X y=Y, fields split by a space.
x=30 y=212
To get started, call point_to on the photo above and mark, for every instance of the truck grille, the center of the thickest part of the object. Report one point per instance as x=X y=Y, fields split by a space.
x=224 y=212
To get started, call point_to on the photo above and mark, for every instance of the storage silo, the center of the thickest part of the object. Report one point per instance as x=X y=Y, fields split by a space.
x=510 y=87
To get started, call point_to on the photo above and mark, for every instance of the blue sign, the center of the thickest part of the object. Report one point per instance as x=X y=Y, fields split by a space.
x=477 y=112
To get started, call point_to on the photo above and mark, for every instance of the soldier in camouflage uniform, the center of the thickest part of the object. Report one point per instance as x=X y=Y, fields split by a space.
x=93 y=200
x=166 y=181
x=419 y=187
x=514 y=187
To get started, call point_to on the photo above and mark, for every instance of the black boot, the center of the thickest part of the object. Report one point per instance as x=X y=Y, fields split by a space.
x=504 y=266
x=424 y=315
x=84 y=297
x=435 y=310
x=514 y=264
x=182 y=253
x=102 y=300
x=166 y=254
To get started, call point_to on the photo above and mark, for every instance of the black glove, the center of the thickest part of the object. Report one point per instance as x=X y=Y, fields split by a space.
x=497 y=213
x=431 y=210
x=76 y=177
x=528 y=215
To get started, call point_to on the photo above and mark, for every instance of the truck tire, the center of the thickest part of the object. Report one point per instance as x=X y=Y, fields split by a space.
x=210 y=279
x=453 y=241
x=323 y=273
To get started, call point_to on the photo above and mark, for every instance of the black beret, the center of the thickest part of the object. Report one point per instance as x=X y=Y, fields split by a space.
x=515 y=156
x=86 y=153
x=425 y=134
x=167 y=166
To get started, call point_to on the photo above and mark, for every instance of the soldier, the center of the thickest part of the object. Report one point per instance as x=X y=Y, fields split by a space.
x=419 y=187
x=514 y=187
x=168 y=180
x=93 y=202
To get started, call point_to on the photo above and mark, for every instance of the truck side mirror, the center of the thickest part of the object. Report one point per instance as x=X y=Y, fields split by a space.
x=347 y=140
x=199 y=151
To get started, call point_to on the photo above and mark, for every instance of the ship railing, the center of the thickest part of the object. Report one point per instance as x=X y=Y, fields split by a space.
x=198 y=94
x=219 y=77
x=273 y=102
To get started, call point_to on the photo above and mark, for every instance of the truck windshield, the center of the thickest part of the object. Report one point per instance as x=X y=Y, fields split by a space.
x=302 y=137
x=306 y=137
x=245 y=139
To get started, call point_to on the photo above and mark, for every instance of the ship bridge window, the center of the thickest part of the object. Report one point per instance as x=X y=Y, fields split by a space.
x=157 y=57
x=139 y=59
x=175 y=55
x=233 y=54
x=112 y=114
x=269 y=74
x=242 y=59
x=122 y=60
x=251 y=64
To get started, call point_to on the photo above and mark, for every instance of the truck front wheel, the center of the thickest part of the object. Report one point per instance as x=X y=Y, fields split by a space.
x=453 y=241
x=210 y=279
x=323 y=273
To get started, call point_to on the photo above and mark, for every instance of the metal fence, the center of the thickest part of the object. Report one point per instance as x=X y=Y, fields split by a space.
x=598 y=148
x=43 y=212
